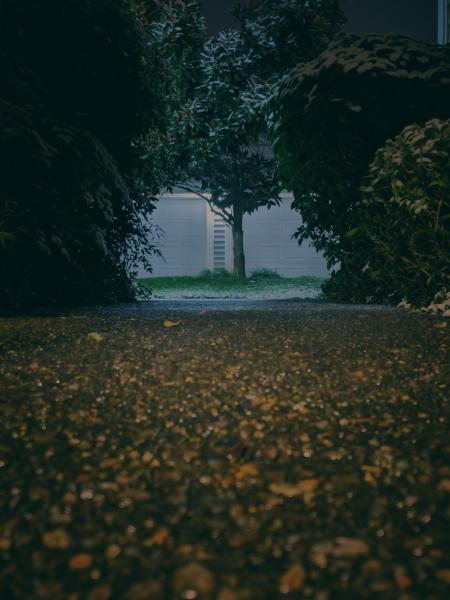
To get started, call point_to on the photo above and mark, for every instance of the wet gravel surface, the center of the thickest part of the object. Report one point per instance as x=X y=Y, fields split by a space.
x=235 y=451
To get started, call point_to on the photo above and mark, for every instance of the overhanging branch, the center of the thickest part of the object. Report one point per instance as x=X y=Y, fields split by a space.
x=225 y=215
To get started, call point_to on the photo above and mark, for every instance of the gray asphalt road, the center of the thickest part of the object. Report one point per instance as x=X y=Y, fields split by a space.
x=232 y=450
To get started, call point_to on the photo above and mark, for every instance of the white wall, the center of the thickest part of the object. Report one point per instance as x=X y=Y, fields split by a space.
x=268 y=243
x=183 y=245
x=188 y=244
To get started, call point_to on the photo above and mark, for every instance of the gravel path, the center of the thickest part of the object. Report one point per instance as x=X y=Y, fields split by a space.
x=230 y=451
x=279 y=292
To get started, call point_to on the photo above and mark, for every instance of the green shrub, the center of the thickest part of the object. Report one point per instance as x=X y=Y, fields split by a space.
x=78 y=88
x=265 y=275
x=336 y=111
x=400 y=247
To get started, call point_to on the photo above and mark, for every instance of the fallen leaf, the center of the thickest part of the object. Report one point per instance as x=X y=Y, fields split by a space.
x=337 y=454
x=441 y=325
x=246 y=471
x=227 y=594
x=100 y=592
x=443 y=575
x=193 y=581
x=147 y=457
x=138 y=495
x=340 y=548
x=358 y=374
x=350 y=547
x=160 y=537
x=444 y=485
x=169 y=323
x=402 y=578
x=95 y=337
x=37 y=493
x=5 y=543
x=320 y=552
x=56 y=539
x=69 y=498
x=78 y=562
x=113 y=551
x=145 y=590
x=293 y=579
x=371 y=473
x=305 y=488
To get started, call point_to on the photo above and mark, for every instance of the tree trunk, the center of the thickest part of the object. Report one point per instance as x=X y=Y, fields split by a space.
x=238 y=245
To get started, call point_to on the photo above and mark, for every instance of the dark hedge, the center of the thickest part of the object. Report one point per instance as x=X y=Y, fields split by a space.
x=336 y=111
x=400 y=248
x=76 y=91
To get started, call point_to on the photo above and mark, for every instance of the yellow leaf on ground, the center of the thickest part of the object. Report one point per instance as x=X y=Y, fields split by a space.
x=56 y=539
x=113 y=551
x=80 y=562
x=95 y=337
x=305 y=488
x=5 y=543
x=160 y=537
x=169 y=324
x=147 y=457
x=358 y=374
x=193 y=581
x=402 y=579
x=350 y=547
x=340 y=548
x=443 y=575
x=246 y=471
x=376 y=471
x=293 y=579
x=444 y=485
x=441 y=325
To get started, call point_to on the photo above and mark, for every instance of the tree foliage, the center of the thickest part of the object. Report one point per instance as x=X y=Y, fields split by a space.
x=228 y=161
x=283 y=33
x=400 y=247
x=336 y=111
x=216 y=144
x=90 y=57
x=78 y=88
x=175 y=36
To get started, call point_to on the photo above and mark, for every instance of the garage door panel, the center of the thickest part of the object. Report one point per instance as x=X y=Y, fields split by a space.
x=189 y=227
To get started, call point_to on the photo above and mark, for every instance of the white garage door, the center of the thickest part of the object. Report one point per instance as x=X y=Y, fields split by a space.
x=182 y=219
x=268 y=243
x=195 y=239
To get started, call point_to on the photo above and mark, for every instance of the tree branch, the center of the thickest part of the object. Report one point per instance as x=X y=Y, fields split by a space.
x=226 y=216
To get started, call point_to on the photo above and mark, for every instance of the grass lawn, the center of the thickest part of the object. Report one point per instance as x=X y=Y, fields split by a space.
x=221 y=284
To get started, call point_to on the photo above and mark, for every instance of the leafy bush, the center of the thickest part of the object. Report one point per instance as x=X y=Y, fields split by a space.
x=76 y=92
x=65 y=216
x=337 y=110
x=263 y=274
x=400 y=248
x=91 y=58
x=217 y=125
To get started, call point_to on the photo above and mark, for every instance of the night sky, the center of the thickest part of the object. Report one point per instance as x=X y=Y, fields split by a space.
x=217 y=14
x=416 y=18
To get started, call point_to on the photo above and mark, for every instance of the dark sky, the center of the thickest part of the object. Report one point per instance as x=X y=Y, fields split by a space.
x=416 y=18
x=217 y=14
